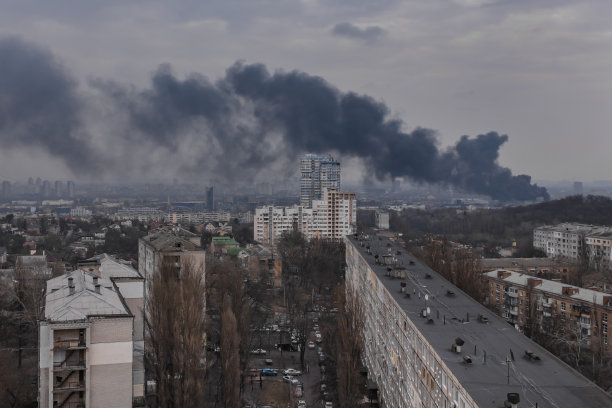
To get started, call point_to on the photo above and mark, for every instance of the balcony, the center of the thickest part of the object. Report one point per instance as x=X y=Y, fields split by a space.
x=513 y=310
x=72 y=365
x=70 y=386
x=546 y=314
x=69 y=344
x=512 y=294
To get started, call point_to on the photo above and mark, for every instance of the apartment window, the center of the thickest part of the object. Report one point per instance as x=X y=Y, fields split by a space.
x=562 y=305
x=604 y=328
x=604 y=318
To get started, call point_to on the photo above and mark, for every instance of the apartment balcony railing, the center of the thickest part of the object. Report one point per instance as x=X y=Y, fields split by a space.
x=69 y=344
x=69 y=365
x=70 y=386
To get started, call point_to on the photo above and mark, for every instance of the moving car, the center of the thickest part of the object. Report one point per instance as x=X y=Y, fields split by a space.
x=291 y=371
x=268 y=371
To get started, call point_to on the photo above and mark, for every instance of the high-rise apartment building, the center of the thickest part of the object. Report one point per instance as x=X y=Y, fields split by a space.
x=6 y=188
x=70 y=189
x=210 y=198
x=317 y=172
x=59 y=189
x=428 y=344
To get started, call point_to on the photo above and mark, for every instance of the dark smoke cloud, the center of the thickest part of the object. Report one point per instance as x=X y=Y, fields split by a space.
x=38 y=104
x=244 y=126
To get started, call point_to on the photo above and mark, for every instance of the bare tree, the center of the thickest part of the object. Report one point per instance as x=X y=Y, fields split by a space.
x=466 y=274
x=349 y=339
x=230 y=362
x=175 y=334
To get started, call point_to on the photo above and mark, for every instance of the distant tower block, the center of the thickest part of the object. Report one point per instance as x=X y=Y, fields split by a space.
x=210 y=198
x=578 y=188
x=317 y=172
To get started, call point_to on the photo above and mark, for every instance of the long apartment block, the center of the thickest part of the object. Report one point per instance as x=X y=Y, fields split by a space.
x=428 y=344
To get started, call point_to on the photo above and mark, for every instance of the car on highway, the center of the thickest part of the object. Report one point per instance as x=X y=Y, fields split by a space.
x=258 y=351
x=268 y=371
x=292 y=371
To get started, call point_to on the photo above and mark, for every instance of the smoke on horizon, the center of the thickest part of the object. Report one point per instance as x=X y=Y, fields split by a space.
x=246 y=126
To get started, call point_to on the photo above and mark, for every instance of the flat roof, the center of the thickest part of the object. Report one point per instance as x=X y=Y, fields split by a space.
x=548 y=382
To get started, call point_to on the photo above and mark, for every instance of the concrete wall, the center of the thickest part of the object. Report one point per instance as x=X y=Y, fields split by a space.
x=111 y=386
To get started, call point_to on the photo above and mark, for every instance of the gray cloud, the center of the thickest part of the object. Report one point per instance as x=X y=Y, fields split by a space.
x=39 y=105
x=369 y=34
x=242 y=127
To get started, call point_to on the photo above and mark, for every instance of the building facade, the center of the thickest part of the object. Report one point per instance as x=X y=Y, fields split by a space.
x=317 y=172
x=427 y=344
x=576 y=241
x=333 y=217
x=529 y=302
x=86 y=344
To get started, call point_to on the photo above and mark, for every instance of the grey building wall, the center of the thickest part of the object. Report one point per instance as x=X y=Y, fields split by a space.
x=111 y=386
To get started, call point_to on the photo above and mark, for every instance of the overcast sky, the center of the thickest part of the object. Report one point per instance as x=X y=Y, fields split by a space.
x=539 y=71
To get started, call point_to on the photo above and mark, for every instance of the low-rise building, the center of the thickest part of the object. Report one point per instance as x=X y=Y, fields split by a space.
x=528 y=302
x=87 y=342
x=574 y=241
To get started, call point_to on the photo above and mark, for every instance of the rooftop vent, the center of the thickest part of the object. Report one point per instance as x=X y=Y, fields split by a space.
x=97 y=288
x=467 y=359
x=512 y=400
x=456 y=347
x=95 y=280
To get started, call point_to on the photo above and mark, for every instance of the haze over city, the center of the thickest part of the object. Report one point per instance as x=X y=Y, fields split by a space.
x=205 y=91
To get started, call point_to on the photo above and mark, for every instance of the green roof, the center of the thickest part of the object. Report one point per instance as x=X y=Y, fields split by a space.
x=233 y=251
x=224 y=241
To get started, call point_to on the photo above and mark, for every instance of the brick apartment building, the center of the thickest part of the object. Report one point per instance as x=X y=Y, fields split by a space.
x=525 y=300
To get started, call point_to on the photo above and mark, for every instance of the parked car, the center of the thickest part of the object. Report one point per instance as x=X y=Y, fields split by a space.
x=287 y=378
x=258 y=351
x=291 y=371
x=299 y=392
x=328 y=404
x=311 y=345
x=301 y=404
x=268 y=371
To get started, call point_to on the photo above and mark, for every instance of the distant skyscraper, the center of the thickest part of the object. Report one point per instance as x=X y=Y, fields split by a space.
x=316 y=173
x=46 y=188
x=70 y=189
x=59 y=189
x=210 y=198
x=6 y=188
x=578 y=188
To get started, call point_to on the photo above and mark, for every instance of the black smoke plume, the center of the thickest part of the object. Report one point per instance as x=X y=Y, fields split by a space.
x=232 y=129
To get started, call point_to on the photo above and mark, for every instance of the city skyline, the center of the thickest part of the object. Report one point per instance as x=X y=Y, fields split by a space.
x=536 y=72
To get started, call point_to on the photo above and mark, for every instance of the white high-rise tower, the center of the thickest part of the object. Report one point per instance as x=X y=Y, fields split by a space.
x=317 y=172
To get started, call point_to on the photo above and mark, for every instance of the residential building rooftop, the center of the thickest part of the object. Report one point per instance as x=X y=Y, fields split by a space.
x=453 y=314
x=63 y=303
x=578 y=293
